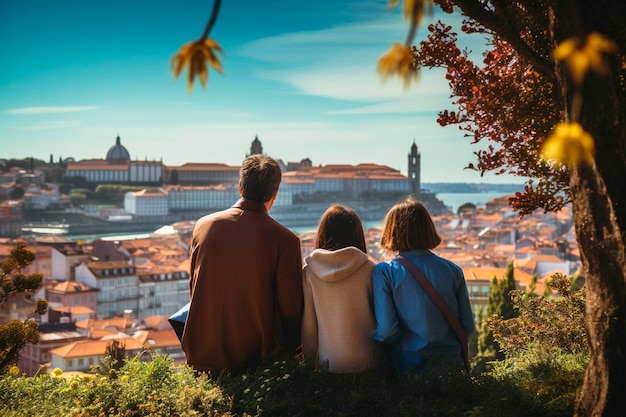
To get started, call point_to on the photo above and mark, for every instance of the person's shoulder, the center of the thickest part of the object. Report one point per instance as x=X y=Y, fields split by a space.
x=212 y=217
x=280 y=230
x=450 y=264
x=385 y=265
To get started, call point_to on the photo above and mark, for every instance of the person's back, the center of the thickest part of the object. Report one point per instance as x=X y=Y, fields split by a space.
x=338 y=302
x=407 y=319
x=246 y=295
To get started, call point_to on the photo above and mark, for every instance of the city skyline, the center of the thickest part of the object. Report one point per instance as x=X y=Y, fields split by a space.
x=301 y=77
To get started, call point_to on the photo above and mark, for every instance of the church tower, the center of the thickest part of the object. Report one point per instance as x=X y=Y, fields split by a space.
x=256 y=148
x=414 y=171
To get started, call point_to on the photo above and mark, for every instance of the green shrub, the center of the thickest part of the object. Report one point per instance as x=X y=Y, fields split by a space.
x=290 y=388
x=155 y=388
x=546 y=357
x=545 y=323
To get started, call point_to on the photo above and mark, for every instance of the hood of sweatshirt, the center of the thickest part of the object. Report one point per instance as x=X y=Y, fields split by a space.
x=335 y=265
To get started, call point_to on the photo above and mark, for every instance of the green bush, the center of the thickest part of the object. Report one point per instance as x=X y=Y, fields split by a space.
x=543 y=372
x=544 y=323
x=155 y=388
x=290 y=388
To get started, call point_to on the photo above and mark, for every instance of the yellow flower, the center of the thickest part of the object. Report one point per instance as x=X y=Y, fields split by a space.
x=57 y=372
x=195 y=55
x=569 y=144
x=398 y=61
x=14 y=370
x=124 y=379
x=413 y=9
x=582 y=57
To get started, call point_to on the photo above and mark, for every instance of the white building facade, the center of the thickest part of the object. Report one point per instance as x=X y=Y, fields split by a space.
x=147 y=203
x=117 y=284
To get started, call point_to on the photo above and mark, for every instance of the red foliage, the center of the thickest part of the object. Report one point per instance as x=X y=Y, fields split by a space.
x=502 y=105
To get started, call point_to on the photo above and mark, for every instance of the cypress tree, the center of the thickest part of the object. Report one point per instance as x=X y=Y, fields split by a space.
x=499 y=305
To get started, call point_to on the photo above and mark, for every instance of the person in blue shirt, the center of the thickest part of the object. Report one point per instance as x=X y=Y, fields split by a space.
x=407 y=321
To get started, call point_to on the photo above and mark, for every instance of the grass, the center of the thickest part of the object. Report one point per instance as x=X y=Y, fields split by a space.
x=545 y=385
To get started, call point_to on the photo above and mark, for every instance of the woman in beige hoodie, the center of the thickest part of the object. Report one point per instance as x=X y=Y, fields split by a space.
x=338 y=302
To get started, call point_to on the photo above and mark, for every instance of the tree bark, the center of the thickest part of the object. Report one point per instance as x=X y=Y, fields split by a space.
x=599 y=196
x=604 y=268
x=599 y=203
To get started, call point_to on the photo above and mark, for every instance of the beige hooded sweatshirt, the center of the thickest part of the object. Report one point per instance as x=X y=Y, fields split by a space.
x=338 y=310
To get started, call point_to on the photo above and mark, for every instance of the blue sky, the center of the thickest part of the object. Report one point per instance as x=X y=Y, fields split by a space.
x=300 y=75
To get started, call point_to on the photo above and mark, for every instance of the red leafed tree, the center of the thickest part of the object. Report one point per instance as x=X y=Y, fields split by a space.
x=510 y=102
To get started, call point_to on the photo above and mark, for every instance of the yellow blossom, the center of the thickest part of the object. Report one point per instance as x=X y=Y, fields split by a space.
x=14 y=371
x=413 y=9
x=397 y=61
x=582 y=57
x=124 y=379
x=195 y=55
x=569 y=144
x=57 y=372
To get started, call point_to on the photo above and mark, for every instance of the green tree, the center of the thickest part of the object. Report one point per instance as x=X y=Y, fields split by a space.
x=15 y=334
x=77 y=198
x=113 y=361
x=114 y=193
x=499 y=306
x=514 y=99
x=465 y=206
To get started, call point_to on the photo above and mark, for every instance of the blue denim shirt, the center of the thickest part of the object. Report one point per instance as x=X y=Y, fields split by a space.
x=406 y=317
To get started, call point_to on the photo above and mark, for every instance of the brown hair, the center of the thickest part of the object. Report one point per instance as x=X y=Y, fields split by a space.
x=259 y=178
x=339 y=228
x=408 y=226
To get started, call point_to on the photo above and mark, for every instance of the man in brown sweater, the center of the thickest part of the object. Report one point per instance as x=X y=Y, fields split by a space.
x=245 y=280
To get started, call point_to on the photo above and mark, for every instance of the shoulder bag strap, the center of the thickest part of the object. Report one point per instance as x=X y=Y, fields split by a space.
x=439 y=302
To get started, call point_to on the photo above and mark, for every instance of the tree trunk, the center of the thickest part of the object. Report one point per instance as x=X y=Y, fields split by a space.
x=599 y=203
x=604 y=268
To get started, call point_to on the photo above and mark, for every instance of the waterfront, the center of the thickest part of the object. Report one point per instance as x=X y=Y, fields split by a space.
x=454 y=200
x=451 y=200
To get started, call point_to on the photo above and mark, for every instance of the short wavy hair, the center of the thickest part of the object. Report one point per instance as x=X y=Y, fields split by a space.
x=339 y=228
x=408 y=226
x=259 y=178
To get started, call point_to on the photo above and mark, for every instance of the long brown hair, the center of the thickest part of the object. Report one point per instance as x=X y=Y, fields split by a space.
x=339 y=228
x=408 y=226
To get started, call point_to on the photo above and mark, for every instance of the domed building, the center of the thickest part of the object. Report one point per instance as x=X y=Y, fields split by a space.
x=117 y=168
x=117 y=153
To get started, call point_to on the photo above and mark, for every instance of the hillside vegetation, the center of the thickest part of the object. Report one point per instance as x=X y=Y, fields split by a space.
x=541 y=375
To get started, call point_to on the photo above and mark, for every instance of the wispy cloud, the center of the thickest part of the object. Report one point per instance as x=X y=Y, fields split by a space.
x=340 y=63
x=51 y=109
x=60 y=124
